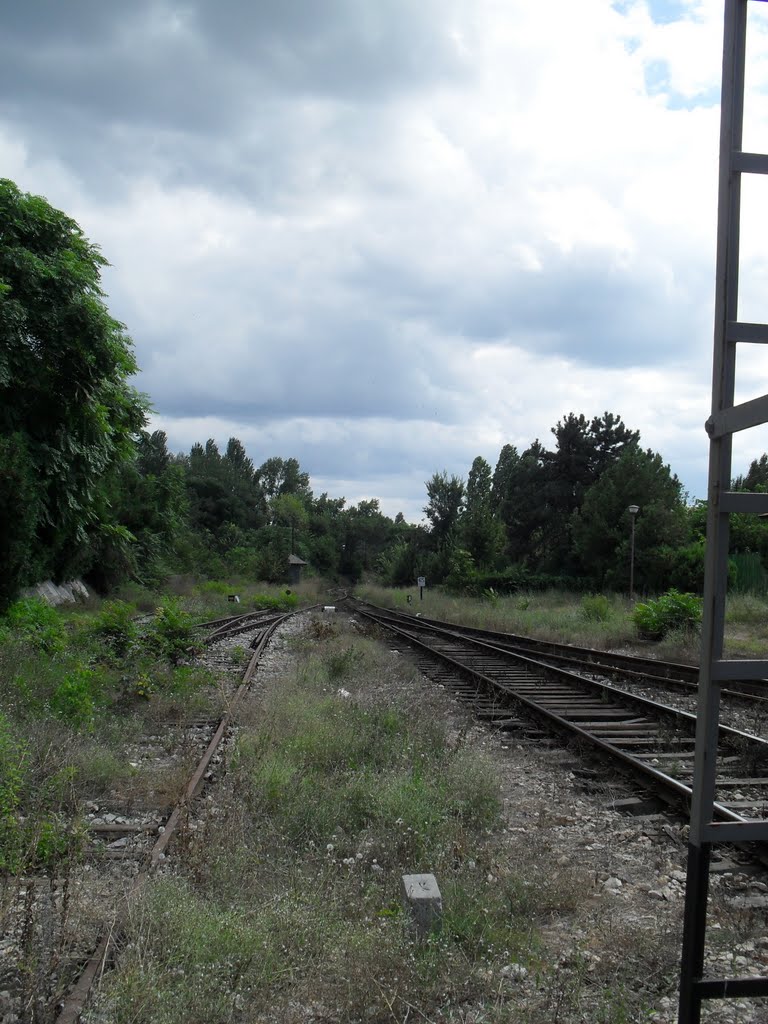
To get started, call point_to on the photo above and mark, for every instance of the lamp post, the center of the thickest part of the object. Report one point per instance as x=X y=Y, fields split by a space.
x=633 y=510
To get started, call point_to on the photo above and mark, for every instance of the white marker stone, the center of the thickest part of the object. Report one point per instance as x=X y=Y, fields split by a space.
x=421 y=897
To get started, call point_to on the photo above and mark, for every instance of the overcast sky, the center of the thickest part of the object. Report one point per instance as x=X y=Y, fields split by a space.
x=386 y=236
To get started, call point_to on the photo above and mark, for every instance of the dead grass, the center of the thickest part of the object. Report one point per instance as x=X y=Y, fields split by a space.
x=558 y=616
x=287 y=907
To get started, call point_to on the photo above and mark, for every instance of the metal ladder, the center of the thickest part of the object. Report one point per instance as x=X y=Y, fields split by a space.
x=725 y=420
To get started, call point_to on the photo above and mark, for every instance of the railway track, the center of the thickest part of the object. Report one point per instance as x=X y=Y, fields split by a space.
x=672 y=675
x=649 y=740
x=127 y=835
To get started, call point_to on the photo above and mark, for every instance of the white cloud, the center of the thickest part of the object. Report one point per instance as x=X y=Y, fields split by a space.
x=507 y=214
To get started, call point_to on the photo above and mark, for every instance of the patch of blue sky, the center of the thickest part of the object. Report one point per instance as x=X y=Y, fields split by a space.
x=663 y=12
x=657 y=83
x=656 y=77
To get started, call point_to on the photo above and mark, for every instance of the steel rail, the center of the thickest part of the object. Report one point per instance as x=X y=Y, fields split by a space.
x=72 y=1006
x=672 y=674
x=241 y=624
x=638 y=766
x=655 y=707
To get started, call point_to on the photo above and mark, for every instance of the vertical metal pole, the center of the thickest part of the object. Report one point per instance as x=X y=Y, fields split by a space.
x=633 y=510
x=716 y=562
x=632 y=563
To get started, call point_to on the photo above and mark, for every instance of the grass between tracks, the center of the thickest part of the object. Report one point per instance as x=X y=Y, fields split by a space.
x=78 y=687
x=600 y=621
x=286 y=906
x=81 y=688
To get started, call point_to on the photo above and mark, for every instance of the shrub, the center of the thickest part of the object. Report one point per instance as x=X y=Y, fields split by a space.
x=74 y=698
x=672 y=611
x=342 y=661
x=215 y=587
x=114 y=624
x=37 y=623
x=172 y=634
x=749 y=574
x=595 y=608
x=284 y=601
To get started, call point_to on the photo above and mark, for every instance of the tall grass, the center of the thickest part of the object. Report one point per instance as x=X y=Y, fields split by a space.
x=289 y=907
x=600 y=621
x=550 y=614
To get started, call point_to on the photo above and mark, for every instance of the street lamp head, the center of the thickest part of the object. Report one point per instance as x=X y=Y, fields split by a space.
x=633 y=509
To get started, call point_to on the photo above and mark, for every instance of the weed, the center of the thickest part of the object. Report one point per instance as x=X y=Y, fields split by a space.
x=746 y=609
x=671 y=611
x=240 y=656
x=172 y=633
x=342 y=661
x=322 y=629
x=74 y=699
x=595 y=608
x=12 y=756
x=37 y=623
x=283 y=602
x=115 y=625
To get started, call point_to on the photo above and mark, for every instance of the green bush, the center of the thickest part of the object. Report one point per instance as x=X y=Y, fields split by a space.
x=342 y=661
x=595 y=608
x=74 y=699
x=37 y=623
x=672 y=611
x=749 y=574
x=284 y=602
x=115 y=625
x=216 y=587
x=172 y=634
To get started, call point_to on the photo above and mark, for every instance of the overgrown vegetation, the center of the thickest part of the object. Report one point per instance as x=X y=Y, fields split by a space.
x=289 y=905
x=672 y=612
x=76 y=689
x=601 y=621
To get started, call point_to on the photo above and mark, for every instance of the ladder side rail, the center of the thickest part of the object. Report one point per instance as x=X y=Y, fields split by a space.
x=716 y=558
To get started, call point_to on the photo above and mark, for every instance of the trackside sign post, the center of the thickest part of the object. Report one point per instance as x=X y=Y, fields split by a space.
x=421 y=582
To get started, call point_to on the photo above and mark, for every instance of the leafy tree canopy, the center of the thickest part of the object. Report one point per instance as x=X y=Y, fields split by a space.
x=446 y=501
x=67 y=412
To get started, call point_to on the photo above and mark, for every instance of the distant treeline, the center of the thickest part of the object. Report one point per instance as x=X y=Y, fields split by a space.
x=85 y=490
x=561 y=516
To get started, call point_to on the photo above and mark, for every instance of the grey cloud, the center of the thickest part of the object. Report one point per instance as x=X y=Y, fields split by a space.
x=340 y=368
x=210 y=63
x=576 y=305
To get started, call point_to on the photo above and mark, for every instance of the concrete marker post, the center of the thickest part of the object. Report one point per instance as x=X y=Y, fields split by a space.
x=422 y=900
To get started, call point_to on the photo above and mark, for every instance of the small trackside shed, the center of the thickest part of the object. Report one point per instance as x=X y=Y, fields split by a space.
x=294 y=568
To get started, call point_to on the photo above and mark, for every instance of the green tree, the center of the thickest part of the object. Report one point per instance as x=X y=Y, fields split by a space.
x=610 y=436
x=288 y=510
x=367 y=532
x=283 y=476
x=64 y=393
x=481 y=532
x=446 y=501
x=756 y=478
x=502 y=482
x=522 y=510
x=325 y=533
x=602 y=527
x=20 y=512
x=150 y=498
